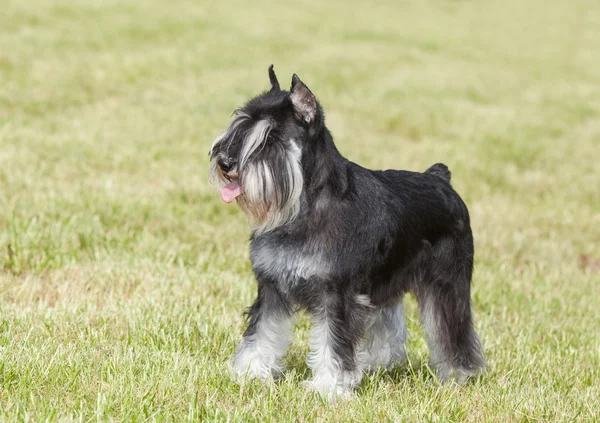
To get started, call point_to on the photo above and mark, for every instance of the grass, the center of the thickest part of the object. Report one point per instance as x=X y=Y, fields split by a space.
x=123 y=276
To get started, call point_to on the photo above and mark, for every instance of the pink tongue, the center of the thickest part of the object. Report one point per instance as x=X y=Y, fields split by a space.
x=229 y=192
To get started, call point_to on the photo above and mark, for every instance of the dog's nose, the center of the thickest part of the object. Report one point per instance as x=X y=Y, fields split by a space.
x=224 y=164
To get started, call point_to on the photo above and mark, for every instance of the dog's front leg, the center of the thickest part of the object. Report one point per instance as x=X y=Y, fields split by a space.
x=266 y=338
x=337 y=331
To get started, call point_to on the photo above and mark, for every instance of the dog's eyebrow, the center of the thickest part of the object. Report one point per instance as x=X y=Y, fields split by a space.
x=255 y=138
x=240 y=116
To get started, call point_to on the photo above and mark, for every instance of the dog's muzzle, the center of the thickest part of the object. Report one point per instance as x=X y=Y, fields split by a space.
x=229 y=171
x=225 y=164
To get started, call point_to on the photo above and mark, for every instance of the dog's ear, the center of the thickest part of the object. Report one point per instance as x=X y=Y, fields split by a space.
x=273 y=79
x=304 y=102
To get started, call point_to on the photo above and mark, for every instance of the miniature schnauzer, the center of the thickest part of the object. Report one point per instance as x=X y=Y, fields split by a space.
x=344 y=243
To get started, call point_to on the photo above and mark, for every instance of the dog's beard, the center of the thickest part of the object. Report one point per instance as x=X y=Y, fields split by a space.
x=270 y=195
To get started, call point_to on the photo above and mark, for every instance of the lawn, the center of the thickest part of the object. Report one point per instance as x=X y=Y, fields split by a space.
x=123 y=276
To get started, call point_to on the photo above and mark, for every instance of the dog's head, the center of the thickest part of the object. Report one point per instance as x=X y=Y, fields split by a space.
x=257 y=161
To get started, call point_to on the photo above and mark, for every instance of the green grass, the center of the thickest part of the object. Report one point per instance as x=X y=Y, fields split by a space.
x=123 y=276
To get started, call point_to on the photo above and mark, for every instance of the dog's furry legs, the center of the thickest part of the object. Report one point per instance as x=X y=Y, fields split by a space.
x=385 y=338
x=335 y=339
x=454 y=347
x=266 y=338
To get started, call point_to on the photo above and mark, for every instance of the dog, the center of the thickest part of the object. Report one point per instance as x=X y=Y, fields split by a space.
x=344 y=243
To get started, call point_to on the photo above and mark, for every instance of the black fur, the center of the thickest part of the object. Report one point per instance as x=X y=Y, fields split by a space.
x=359 y=233
x=441 y=170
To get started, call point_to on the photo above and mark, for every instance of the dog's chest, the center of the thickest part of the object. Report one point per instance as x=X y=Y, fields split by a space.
x=287 y=265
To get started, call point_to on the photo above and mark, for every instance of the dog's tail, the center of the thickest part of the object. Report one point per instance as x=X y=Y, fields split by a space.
x=441 y=170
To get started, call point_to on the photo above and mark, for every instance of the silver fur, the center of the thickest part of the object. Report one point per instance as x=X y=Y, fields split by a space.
x=231 y=128
x=329 y=377
x=254 y=139
x=285 y=264
x=385 y=338
x=259 y=355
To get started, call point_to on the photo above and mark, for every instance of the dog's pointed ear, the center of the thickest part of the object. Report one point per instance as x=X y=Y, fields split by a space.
x=273 y=79
x=303 y=100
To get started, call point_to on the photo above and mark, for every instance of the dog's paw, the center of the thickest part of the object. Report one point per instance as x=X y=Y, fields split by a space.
x=373 y=366
x=241 y=369
x=448 y=375
x=253 y=373
x=330 y=392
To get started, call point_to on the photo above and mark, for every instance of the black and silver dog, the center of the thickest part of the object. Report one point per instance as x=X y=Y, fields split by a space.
x=345 y=243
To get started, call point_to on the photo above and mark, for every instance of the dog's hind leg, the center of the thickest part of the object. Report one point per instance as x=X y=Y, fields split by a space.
x=444 y=301
x=385 y=338
x=266 y=338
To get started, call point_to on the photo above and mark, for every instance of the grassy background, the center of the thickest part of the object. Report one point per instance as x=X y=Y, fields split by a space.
x=123 y=276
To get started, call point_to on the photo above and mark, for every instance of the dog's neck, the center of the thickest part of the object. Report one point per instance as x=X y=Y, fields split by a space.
x=325 y=169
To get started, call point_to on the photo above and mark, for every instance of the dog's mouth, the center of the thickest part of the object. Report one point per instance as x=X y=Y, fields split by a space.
x=232 y=190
